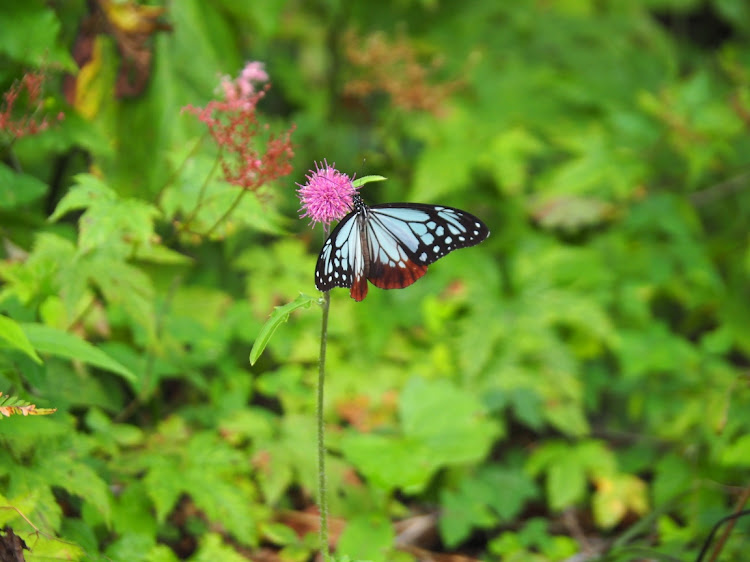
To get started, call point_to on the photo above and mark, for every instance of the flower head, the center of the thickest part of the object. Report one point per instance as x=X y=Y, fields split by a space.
x=327 y=195
x=242 y=89
x=251 y=155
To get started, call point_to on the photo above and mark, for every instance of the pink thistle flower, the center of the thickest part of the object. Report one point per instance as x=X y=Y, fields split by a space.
x=327 y=195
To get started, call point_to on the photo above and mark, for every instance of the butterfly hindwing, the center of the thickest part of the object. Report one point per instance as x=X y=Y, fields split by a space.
x=392 y=244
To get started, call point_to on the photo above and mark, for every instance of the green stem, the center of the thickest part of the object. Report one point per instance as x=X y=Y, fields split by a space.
x=226 y=214
x=204 y=186
x=178 y=170
x=322 y=499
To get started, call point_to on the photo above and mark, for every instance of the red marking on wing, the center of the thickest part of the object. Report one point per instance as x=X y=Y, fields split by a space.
x=395 y=277
x=359 y=288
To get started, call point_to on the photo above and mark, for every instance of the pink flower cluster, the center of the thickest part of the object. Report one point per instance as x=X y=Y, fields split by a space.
x=327 y=195
x=251 y=156
x=242 y=89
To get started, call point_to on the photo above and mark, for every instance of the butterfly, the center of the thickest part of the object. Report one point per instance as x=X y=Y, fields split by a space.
x=392 y=244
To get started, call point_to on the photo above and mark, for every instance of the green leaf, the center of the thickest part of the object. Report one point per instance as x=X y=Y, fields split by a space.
x=161 y=553
x=367 y=179
x=389 y=462
x=212 y=547
x=738 y=453
x=672 y=477
x=80 y=479
x=568 y=417
x=464 y=436
x=429 y=440
x=278 y=316
x=447 y=158
x=481 y=499
x=29 y=34
x=13 y=334
x=132 y=512
x=118 y=224
x=164 y=484
x=122 y=284
x=51 y=548
x=566 y=482
x=207 y=469
x=130 y=546
x=279 y=534
x=206 y=202
x=517 y=488
x=47 y=339
x=222 y=498
x=735 y=11
x=266 y=18
x=89 y=191
x=655 y=349
x=161 y=255
x=566 y=473
x=19 y=189
x=27 y=491
x=508 y=157
x=367 y=537
x=462 y=511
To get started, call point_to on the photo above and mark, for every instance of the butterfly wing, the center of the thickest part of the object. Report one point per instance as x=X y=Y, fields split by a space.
x=402 y=239
x=392 y=244
x=342 y=262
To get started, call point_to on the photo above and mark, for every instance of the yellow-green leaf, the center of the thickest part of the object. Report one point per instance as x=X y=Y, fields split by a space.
x=13 y=334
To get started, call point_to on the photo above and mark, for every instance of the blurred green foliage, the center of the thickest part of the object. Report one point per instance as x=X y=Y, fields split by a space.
x=577 y=383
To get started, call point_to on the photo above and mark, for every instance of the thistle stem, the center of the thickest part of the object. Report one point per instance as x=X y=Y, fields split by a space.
x=322 y=498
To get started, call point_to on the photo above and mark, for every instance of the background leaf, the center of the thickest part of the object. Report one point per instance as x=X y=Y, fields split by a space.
x=56 y=342
x=14 y=336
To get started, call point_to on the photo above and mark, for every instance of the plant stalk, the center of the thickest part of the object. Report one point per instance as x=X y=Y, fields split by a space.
x=322 y=497
x=730 y=525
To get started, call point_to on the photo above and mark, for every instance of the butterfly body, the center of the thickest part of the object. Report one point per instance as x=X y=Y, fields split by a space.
x=392 y=244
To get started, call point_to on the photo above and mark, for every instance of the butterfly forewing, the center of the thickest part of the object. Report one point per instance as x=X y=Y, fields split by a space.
x=429 y=232
x=392 y=244
x=341 y=257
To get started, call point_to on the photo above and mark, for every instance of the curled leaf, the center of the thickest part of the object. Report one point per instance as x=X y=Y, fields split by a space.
x=280 y=314
x=10 y=405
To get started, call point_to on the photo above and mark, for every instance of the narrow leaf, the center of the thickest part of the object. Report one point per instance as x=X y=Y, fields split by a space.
x=279 y=315
x=13 y=334
x=57 y=342
x=367 y=179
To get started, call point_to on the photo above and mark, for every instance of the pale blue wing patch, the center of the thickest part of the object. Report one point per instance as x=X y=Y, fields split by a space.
x=341 y=259
x=428 y=232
